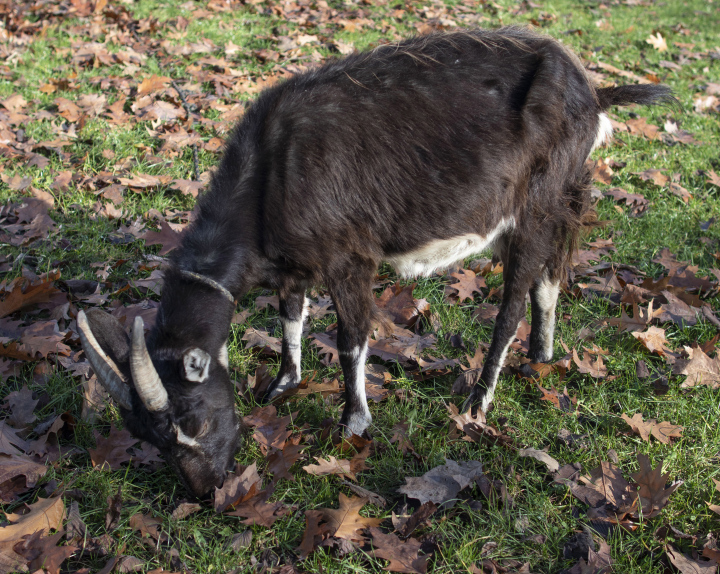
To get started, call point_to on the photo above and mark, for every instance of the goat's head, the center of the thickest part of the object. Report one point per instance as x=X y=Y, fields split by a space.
x=182 y=402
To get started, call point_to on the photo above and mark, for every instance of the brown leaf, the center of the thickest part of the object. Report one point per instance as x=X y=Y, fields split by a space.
x=442 y=483
x=688 y=565
x=552 y=464
x=343 y=467
x=238 y=487
x=635 y=201
x=280 y=461
x=167 y=237
x=714 y=507
x=12 y=466
x=257 y=510
x=467 y=284
x=609 y=482
x=663 y=431
x=313 y=535
x=113 y=449
x=346 y=521
x=400 y=304
x=402 y=554
x=485 y=312
x=563 y=401
x=657 y=42
x=654 y=175
x=22 y=405
x=44 y=515
x=43 y=552
x=700 y=369
x=327 y=345
x=640 y=126
x=654 y=341
x=714 y=178
x=153 y=84
x=653 y=494
x=476 y=428
x=147 y=524
x=185 y=509
x=23 y=293
x=602 y=172
x=262 y=339
x=596 y=369
x=641 y=318
x=270 y=430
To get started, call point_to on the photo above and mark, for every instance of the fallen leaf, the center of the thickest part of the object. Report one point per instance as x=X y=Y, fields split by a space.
x=563 y=401
x=467 y=284
x=343 y=467
x=44 y=515
x=542 y=456
x=280 y=461
x=657 y=42
x=262 y=339
x=241 y=485
x=610 y=483
x=641 y=318
x=688 y=565
x=257 y=510
x=442 y=483
x=596 y=369
x=400 y=304
x=653 y=494
x=113 y=449
x=663 y=431
x=402 y=554
x=346 y=521
x=654 y=341
x=700 y=369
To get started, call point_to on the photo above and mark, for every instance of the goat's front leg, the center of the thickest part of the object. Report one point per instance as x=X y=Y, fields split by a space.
x=519 y=275
x=543 y=296
x=355 y=308
x=293 y=311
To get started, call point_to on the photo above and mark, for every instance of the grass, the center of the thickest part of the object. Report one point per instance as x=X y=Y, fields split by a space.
x=539 y=507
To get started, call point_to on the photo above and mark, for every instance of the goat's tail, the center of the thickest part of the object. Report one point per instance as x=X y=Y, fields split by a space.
x=643 y=94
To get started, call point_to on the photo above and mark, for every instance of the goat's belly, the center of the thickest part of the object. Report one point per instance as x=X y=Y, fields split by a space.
x=442 y=253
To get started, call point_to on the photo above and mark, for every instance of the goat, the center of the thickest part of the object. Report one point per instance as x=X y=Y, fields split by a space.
x=419 y=154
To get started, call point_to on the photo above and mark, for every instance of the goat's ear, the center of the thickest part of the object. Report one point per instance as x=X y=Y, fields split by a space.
x=196 y=365
x=112 y=338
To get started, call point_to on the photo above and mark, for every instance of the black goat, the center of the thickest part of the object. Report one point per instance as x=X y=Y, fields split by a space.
x=419 y=154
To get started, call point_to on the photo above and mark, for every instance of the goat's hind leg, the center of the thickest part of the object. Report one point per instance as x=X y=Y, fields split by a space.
x=293 y=311
x=543 y=297
x=355 y=306
x=520 y=270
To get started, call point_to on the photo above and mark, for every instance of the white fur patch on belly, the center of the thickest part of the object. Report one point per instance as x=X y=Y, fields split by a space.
x=604 y=131
x=442 y=253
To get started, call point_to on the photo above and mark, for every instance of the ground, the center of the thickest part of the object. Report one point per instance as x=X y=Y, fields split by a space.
x=96 y=143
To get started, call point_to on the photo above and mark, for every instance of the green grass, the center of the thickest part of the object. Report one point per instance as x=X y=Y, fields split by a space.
x=460 y=533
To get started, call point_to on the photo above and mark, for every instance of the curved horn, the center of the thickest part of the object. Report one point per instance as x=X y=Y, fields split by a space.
x=147 y=381
x=107 y=371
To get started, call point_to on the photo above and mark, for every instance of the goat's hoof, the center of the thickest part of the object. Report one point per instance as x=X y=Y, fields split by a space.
x=478 y=399
x=277 y=388
x=355 y=423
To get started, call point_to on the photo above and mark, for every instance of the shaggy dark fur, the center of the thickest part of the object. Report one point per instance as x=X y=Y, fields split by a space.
x=376 y=155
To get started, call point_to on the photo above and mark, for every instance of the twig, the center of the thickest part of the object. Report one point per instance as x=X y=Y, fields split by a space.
x=196 y=168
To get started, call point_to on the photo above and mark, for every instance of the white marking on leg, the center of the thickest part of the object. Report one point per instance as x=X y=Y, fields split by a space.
x=546 y=296
x=358 y=420
x=292 y=334
x=604 y=131
x=442 y=253
x=492 y=383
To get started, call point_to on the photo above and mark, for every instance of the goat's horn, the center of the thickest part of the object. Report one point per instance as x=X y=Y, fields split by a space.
x=147 y=382
x=105 y=368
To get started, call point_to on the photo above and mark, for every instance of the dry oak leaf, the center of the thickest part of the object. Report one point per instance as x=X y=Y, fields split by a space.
x=442 y=483
x=13 y=465
x=167 y=237
x=657 y=42
x=400 y=304
x=563 y=400
x=314 y=534
x=635 y=201
x=654 y=175
x=640 y=126
x=346 y=521
x=596 y=369
x=662 y=431
x=402 y=554
x=327 y=345
x=147 y=524
x=651 y=482
x=714 y=178
x=467 y=284
x=152 y=84
x=610 y=483
x=113 y=449
x=42 y=552
x=257 y=510
x=244 y=483
x=700 y=369
x=270 y=430
x=552 y=464
x=476 y=428
x=280 y=461
x=22 y=293
x=714 y=507
x=262 y=339
x=44 y=515
x=688 y=565
x=641 y=318
x=343 y=467
x=654 y=341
